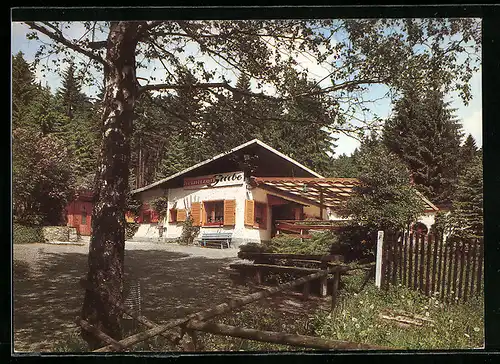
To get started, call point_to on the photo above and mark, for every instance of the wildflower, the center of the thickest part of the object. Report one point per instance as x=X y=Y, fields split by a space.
x=427 y=314
x=361 y=302
x=426 y=307
x=467 y=335
x=372 y=306
x=476 y=329
x=357 y=326
x=354 y=319
x=451 y=321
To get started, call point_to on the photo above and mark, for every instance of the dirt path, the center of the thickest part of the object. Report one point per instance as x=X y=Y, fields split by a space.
x=175 y=281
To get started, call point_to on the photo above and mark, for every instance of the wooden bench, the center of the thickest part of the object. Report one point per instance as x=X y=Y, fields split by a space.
x=216 y=239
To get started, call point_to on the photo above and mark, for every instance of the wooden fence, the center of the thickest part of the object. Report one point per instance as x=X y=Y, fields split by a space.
x=450 y=270
x=197 y=322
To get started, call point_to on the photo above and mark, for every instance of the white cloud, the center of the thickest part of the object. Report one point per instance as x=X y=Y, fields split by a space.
x=473 y=124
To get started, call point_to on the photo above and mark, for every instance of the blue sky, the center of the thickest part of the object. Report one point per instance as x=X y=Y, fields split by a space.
x=470 y=115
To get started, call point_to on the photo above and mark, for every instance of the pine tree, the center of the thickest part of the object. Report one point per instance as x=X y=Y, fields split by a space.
x=69 y=94
x=425 y=134
x=467 y=213
x=23 y=87
x=468 y=151
x=385 y=199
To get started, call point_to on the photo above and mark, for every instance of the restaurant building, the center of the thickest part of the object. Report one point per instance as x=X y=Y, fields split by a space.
x=252 y=191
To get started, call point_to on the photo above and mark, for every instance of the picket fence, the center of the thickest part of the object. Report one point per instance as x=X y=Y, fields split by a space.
x=450 y=270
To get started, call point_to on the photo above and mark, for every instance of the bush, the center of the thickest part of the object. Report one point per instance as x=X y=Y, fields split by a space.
x=24 y=234
x=254 y=248
x=130 y=229
x=189 y=232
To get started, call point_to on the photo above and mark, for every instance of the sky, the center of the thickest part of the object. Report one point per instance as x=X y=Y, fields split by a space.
x=470 y=115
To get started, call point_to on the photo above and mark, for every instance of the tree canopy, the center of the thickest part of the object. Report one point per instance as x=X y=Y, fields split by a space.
x=385 y=200
x=356 y=54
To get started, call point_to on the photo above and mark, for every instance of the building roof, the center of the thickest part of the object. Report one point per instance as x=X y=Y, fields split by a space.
x=331 y=192
x=268 y=154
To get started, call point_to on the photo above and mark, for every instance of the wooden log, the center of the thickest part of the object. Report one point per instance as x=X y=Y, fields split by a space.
x=284 y=268
x=277 y=337
x=100 y=335
x=214 y=311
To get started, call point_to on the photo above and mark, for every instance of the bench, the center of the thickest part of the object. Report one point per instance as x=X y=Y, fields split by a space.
x=216 y=239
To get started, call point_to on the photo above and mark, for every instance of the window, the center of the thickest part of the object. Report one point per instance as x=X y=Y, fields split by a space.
x=84 y=217
x=260 y=215
x=214 y=212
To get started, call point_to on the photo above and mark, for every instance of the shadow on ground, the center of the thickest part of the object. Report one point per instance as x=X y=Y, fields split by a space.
x=48 y=297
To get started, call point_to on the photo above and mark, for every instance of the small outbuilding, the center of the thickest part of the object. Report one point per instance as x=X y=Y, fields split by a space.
x=79 y=212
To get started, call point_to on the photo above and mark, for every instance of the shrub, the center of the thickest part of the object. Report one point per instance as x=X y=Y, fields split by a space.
x=254 y=248
x=319 y=243
x=24 y=234
x=130 y=229
x=189 y=232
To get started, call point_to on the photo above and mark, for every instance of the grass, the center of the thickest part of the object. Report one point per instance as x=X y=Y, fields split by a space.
x=458 y=326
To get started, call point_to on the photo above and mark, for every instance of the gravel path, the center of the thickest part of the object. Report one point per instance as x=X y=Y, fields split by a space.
x=175 y=281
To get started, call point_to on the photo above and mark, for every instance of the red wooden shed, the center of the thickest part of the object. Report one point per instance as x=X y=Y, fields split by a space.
x=79 y=212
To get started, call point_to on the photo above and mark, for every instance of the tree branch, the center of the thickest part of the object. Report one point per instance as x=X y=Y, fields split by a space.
x=57 y=36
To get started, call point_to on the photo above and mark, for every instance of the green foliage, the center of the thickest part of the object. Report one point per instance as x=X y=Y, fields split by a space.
x=42 y=178
x=466 y=216
x=357 y=319
x=385 y=200
x=133 y=204
x=426 y=135
x=254 y=248
x=160 y=205
x=26 y=234
x=23 y=87
x=130 y=229
x=189 y=232
x=344 y=167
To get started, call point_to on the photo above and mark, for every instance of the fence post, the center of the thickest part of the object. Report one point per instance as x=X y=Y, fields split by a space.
x=378 y=266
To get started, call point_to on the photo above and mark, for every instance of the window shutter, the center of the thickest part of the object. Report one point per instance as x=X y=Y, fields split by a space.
x=173 y=215
x=203 y=214
x=196 y=213
x=229 y=212
x=249 y=212
x=181 y=215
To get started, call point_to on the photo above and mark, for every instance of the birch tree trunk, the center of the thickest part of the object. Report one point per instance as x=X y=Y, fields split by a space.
x=107 y=244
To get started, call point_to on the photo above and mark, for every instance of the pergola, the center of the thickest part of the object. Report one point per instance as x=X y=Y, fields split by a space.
x=322 y=192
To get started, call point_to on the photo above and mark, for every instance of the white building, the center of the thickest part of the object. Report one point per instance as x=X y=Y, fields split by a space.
x=245 y=192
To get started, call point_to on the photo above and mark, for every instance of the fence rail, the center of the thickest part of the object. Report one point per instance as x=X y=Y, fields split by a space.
x=450 y=270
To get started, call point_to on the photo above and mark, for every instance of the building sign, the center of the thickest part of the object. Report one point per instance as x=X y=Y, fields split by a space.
x=214 y=180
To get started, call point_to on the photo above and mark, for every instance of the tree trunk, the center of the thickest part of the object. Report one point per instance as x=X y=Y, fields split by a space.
x=107 y=244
